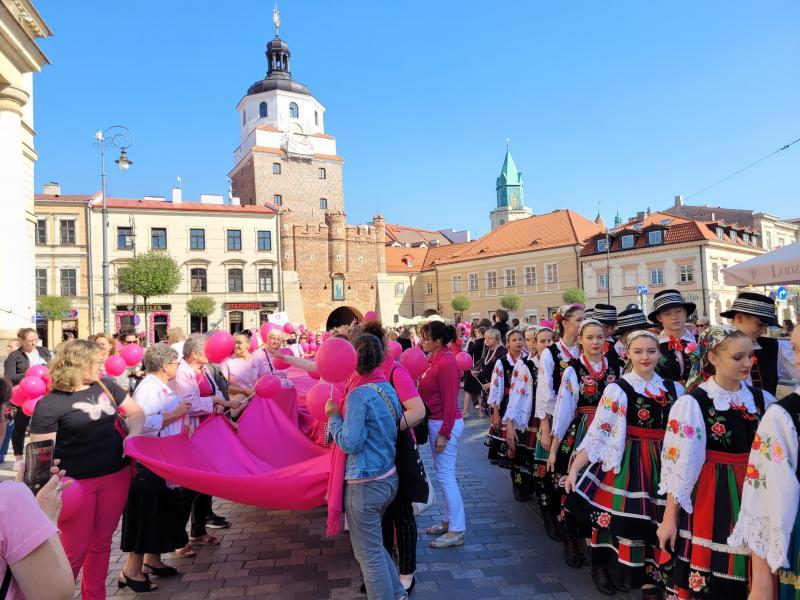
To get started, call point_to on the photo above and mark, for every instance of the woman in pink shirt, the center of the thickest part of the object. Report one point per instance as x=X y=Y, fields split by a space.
x=439 y=387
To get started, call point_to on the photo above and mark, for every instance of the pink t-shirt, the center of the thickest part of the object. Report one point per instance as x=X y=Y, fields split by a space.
x=400 y=379
x=243 y=373
x=23 y=528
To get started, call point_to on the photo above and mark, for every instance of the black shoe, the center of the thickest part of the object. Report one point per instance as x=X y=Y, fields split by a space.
x=140 y=587
x=217 y=522
x=652 y=593
x=602 y=581
x=583 y=551
x=166 y=571
x=410 y=588
x=570 y=549
x=551 y=525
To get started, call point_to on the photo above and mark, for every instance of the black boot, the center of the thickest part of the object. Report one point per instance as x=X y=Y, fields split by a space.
x=570 y=547
x=652 y=593
x=583 y=551
x=603 y=581
x=551 y=525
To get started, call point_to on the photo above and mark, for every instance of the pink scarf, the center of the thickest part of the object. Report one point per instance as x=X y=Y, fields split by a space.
x=335 y=493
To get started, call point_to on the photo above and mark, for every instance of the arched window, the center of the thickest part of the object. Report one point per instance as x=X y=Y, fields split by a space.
x=235 y=280
x=199 y=279
x=316 y=118
x=262 y=111
x=294 y=112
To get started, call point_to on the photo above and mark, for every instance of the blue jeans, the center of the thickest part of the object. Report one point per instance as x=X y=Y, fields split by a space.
x=364 y=505
x=5 y=441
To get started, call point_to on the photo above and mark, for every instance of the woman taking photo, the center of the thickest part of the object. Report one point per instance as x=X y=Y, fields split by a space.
x=366 y=437
x=81 y=416
x=439 y=389
x=703 y=464
x=151 y=523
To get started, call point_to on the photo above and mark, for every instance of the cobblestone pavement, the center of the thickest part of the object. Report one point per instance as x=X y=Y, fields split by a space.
x=284 y=554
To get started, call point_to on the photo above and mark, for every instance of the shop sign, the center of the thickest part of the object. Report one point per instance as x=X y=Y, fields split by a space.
x=248 y=305
x=140 y=307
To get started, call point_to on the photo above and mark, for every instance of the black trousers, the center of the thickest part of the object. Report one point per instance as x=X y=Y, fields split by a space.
x=21 y=422
x=399 y=516
x=198 y=507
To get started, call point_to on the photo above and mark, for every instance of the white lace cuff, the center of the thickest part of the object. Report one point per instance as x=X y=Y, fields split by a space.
x=604 y=451
x=673 y=483
x=755 y=534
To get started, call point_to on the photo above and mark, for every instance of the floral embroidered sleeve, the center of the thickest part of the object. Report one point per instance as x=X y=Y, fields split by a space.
x=545 y=394
x=566 y=403
x=497 y=385
x=771 y=493
x=520 y=398
x=684 y=451
x=605 y=438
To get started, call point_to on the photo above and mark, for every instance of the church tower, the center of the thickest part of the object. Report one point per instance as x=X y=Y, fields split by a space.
x=510 y=195
x=284 y=157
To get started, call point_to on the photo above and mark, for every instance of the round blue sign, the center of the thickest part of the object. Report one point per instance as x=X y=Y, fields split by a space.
x=781 y=293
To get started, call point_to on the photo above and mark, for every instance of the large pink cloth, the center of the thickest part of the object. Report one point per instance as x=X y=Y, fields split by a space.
x=269 y=463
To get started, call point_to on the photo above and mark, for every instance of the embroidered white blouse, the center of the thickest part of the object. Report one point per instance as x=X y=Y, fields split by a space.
x=605 y=438
x=545 y=393
x=497 y=385
x=521 y=396
x=155 y=397
x=771 y=493
x=684 y=451
x=567 y=401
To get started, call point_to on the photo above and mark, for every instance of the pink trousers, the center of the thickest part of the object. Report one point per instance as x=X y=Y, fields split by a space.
x=86 y=535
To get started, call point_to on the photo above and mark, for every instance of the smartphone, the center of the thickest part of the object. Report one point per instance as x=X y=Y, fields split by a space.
x=38 y=462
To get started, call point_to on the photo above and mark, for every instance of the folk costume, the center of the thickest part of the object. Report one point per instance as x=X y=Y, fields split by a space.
x=607 y=315
x=703 y=463
x=498 y=396
x=674 y=363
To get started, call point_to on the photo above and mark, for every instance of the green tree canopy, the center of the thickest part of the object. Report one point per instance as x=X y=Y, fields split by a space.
x=511 y=302
x=460 y=303
x=53 y=308
x=575 y=296
x=150 y=274
x=200 y=306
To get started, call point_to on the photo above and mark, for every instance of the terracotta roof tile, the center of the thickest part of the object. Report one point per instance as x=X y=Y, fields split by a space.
x=404 y=234
x=184 y=206
x=282 y=152
x=66 y=198
x=269 y=128
x=405 y=260
x=323 y=136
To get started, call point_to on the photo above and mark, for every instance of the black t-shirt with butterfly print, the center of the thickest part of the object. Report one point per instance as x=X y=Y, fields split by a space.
x=87 y=441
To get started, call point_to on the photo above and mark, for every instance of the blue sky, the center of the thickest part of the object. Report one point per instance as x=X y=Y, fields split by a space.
x=606 y=103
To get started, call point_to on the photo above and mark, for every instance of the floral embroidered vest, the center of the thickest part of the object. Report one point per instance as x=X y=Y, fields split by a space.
x=729 y=430
x=645 y=411
x=590 y=391
x=560 y=364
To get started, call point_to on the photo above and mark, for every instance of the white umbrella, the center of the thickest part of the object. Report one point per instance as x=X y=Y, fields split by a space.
x=778 y=267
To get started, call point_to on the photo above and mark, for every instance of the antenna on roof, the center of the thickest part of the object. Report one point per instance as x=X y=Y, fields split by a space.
x=276 y=18
x=180 y=183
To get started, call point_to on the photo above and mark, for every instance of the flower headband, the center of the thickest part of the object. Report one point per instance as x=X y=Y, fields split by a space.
x=710 y=338
x=586 y=322
x=563 y=310
x=640 y=333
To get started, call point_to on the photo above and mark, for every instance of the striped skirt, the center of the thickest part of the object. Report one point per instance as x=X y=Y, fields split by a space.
x=705 y=566
x=789 y=579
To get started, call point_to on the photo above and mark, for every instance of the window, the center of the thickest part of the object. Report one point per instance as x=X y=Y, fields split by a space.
x=265 y=280
x=124 y=238
x=294 y=113
x=602 y=245
x=781 y=242
x=68 y=232
x=472 y=281
x=264 y=241
x=234 y=239
x=235 y=280
x=629 y=278
x=530 y=275
x=198 y=324
x=734 y=236
x=769 y=240
x=456 y=283
x=69 y=282
x=197 y=239
x=399 y=289
x=491 y=280
x=41 y=282
x=746 y=239
x=686 y=273
x=657 y=276
x=199 y=279
x=323 y=203
x=316 y=118
x=551 y=273
x=322 y=173
x=428 y=288
x=277 y=199
x=41 y=231
x=158 y=238
x=720 y=233
x=715 y=272
x=263 y=112
x=627 y=242
x=276 y=168
x=754 y=239
x=602 y=281
x=655 y=238
x=511 y=277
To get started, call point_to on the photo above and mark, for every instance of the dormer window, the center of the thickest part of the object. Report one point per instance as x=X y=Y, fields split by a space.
x=627 y=241
x=720 y=233
x=602 y=245
x=262 y=111
x=656 y=237
x=733 y=236
x=746 y=239
x=294 y=112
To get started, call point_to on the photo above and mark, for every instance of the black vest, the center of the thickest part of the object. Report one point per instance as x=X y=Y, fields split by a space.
x=765 y=372
x=559 y=365
x=613 y=357
x=669 y=367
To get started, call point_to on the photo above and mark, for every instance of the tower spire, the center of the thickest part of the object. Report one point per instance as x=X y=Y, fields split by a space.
x=276 y=18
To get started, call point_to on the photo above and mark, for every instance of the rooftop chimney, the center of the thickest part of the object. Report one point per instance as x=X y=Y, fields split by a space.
x=177 y=195
x=640 y=215
x=211 y=199
x=52 y=188
x=678 y=200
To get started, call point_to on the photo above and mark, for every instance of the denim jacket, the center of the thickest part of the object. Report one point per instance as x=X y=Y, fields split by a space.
x=368 y=432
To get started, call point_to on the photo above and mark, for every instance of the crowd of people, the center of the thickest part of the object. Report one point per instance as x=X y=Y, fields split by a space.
x=653 y=446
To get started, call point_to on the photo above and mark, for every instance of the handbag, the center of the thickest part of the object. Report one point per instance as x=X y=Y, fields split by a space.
x=121 y=425
x=421 y=428
x=414 y=485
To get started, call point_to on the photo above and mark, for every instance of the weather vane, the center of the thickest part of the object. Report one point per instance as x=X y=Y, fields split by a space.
x=508 y=143
x=276 y=18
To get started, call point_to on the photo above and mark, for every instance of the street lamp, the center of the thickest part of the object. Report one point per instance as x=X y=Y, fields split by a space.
x=122 y=138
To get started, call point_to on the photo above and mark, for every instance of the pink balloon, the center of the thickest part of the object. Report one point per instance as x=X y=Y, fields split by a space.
x=33 y=387
x=115 y=365
x=326 y=336
x=219 y=346
x=415 y=361
x=302 y=328
x=313 y=375
x=18 y=397
x=265 y=329
x=71 y=499
x=317 y=398
x=395 y=349
x=312 y=347
x=288 y=328
x=311 y=336
x=305 y=346
x=282 y=364
x=336 y=360
x=48 y=382
x=464 y=361
x=253 y=341
x=370 y=315
x=117 y=346
x=38 y=371
x=267 y=386
x=29 y=406
x=132 y=354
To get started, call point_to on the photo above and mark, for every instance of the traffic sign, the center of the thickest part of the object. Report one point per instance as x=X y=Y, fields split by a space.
x=642 y=290
x=137 y=319
x=781 y=293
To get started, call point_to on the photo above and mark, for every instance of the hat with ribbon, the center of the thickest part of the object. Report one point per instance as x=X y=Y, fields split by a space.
x=605 y=313
x=631 y=319
x=757 y=305
x=669 y=299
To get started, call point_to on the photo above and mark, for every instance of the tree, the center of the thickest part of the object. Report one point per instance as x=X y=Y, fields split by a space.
x=53 y=308
x=460 y=303
x=511 y=302
x=575 y=296
x=200 y=306
x=153 y=273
